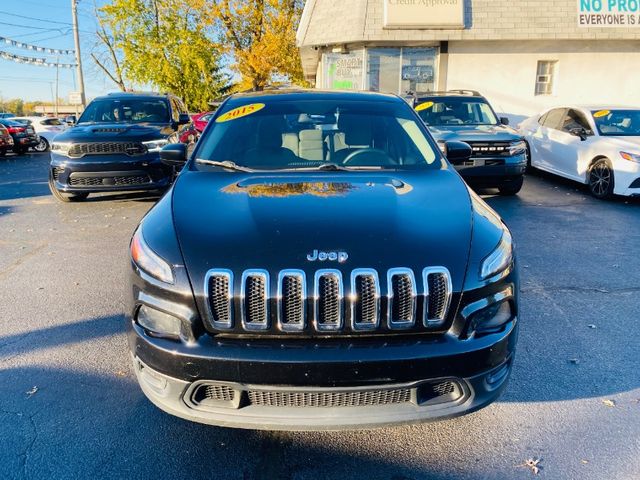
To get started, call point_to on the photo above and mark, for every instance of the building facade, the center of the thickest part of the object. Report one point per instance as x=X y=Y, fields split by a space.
x=523 y=55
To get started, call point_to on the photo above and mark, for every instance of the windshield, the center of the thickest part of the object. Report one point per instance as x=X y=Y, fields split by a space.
x=617 y=123
x=129 y=110
x=319 y=134
x=455 y=111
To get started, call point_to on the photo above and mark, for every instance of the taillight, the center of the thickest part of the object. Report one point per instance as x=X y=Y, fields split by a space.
x=16 y=129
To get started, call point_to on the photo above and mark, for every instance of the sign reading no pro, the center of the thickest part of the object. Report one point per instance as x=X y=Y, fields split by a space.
x=609 y=13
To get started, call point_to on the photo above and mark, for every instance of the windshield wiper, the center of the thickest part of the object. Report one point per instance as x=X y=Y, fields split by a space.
x=228 y=164
x=332 y=167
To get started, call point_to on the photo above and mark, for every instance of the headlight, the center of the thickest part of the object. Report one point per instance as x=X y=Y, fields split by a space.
x=61 y=147
x=517 y=148
x=443 y=147
x=148 y=260
x=155 y=145
x=158 y=322
x=498 y=260
x=492 y=318
x=632 y=157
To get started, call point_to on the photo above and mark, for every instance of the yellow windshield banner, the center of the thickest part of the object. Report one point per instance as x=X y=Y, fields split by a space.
x=240 y=112
x=424 y=106
x=601 y=113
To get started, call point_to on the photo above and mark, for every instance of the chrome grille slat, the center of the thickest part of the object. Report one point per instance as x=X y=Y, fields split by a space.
x=365 y=299
x=437 y=295
x=254 y=300
x=292 y=286
x=401 y=311
x=328 y=299
x=106 y=148
x=218 y=284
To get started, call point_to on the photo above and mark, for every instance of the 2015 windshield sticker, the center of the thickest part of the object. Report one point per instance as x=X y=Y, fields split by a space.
x=601 y=113
x=240 y=112
x=424 y=106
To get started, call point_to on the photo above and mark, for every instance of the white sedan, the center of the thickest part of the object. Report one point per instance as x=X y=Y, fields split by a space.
x=45 y=127
x=596 y=146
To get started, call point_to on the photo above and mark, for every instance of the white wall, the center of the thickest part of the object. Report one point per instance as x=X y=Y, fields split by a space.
x=590 y=72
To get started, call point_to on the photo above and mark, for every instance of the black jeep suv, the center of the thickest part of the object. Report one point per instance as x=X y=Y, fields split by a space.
x=115 y=146
x=318 y=264
x=499 y=152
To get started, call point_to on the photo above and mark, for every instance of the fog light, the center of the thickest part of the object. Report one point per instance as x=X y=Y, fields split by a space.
x=158 y=323
x=492 y=318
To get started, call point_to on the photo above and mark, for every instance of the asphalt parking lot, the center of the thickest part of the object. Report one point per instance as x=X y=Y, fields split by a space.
x=71 y=408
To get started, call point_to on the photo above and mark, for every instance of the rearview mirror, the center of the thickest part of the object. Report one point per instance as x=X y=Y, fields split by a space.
x=579 y=132
x=504 y=120
x=457 y=152
x=174 y=154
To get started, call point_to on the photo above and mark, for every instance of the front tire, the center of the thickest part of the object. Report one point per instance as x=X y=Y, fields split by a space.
x=43 y=146
x=511 y=188
x=65 y=197
x=600 y=179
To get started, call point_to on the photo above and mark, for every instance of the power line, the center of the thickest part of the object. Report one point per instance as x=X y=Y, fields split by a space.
x=37 y=28
x=34 y=18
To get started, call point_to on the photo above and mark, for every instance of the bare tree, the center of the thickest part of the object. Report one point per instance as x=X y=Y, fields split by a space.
x=109 y=63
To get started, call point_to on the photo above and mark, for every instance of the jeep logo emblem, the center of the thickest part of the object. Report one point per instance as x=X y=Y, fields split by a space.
x=318 y=256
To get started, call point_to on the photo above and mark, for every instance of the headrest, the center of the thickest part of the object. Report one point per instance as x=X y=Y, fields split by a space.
x=357 y=129
x=310 y=136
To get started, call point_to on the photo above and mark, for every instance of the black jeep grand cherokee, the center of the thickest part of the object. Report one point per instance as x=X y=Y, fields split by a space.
x=499 y=153
x=115 y=146
x=318 y=264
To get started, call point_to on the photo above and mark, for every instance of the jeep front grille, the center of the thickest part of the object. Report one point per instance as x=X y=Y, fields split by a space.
x=106 y=148
x=489 y=149
x=325 y=304
x=366 y=398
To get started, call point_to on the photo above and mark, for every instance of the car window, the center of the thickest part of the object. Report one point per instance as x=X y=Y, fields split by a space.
x=175 y=109
x=543 y=118
x=23 y=121
x=51 y=121
x=619 y=123
x=307 y=134
x=206 y=117
x=554 y=117
x=574 y=119
x=439 y=111
x=126 y=110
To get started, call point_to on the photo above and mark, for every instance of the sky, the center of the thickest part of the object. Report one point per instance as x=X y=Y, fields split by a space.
x=47 y=23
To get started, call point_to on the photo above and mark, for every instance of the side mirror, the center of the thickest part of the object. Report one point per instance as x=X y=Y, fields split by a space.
x=183 y=119
x=457 y=152
x=579 y=132
x=174 y=154
x=504 y=121
x=70 y=120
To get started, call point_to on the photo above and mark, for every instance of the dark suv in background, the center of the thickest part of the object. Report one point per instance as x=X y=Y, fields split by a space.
x=499 y=156
x=115 y=146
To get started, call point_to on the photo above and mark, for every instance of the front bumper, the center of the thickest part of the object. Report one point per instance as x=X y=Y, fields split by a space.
x=312 y=385
x=493 y=172
x=109 y=173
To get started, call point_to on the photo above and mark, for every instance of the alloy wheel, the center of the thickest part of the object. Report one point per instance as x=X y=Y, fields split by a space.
x=600 y=179
x=42 y=146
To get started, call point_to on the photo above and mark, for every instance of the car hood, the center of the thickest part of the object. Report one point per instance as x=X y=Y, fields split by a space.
x=273 y=221
x=478 y=133
x=625 y=142
x=114 y=132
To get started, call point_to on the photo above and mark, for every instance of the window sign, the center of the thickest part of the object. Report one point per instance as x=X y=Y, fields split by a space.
x=343 y=71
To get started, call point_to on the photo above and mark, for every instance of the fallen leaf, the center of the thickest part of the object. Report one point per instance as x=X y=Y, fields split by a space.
x=609 y=403
x=32 y=392
x=584 y=462
x=591 y=325
x=121 y=373
x=532 y=464
x=574 y=361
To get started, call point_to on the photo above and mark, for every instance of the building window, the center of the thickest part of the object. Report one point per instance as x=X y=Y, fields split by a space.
x=545 y=77
x=401 y=70
x=343 y=71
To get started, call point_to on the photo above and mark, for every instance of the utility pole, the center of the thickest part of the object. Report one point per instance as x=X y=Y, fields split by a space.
x=57 y=74
x=76 y=39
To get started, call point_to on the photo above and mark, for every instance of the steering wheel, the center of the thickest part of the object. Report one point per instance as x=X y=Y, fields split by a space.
x=381 y=154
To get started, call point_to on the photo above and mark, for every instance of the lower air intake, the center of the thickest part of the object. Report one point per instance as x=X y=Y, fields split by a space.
x=329 y=399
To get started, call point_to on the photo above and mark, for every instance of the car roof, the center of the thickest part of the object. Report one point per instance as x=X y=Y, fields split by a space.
x=134 y=95
x=304 y=94
x=450 y=93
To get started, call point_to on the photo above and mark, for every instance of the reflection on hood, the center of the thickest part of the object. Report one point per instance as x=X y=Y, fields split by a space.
x=318 y=189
